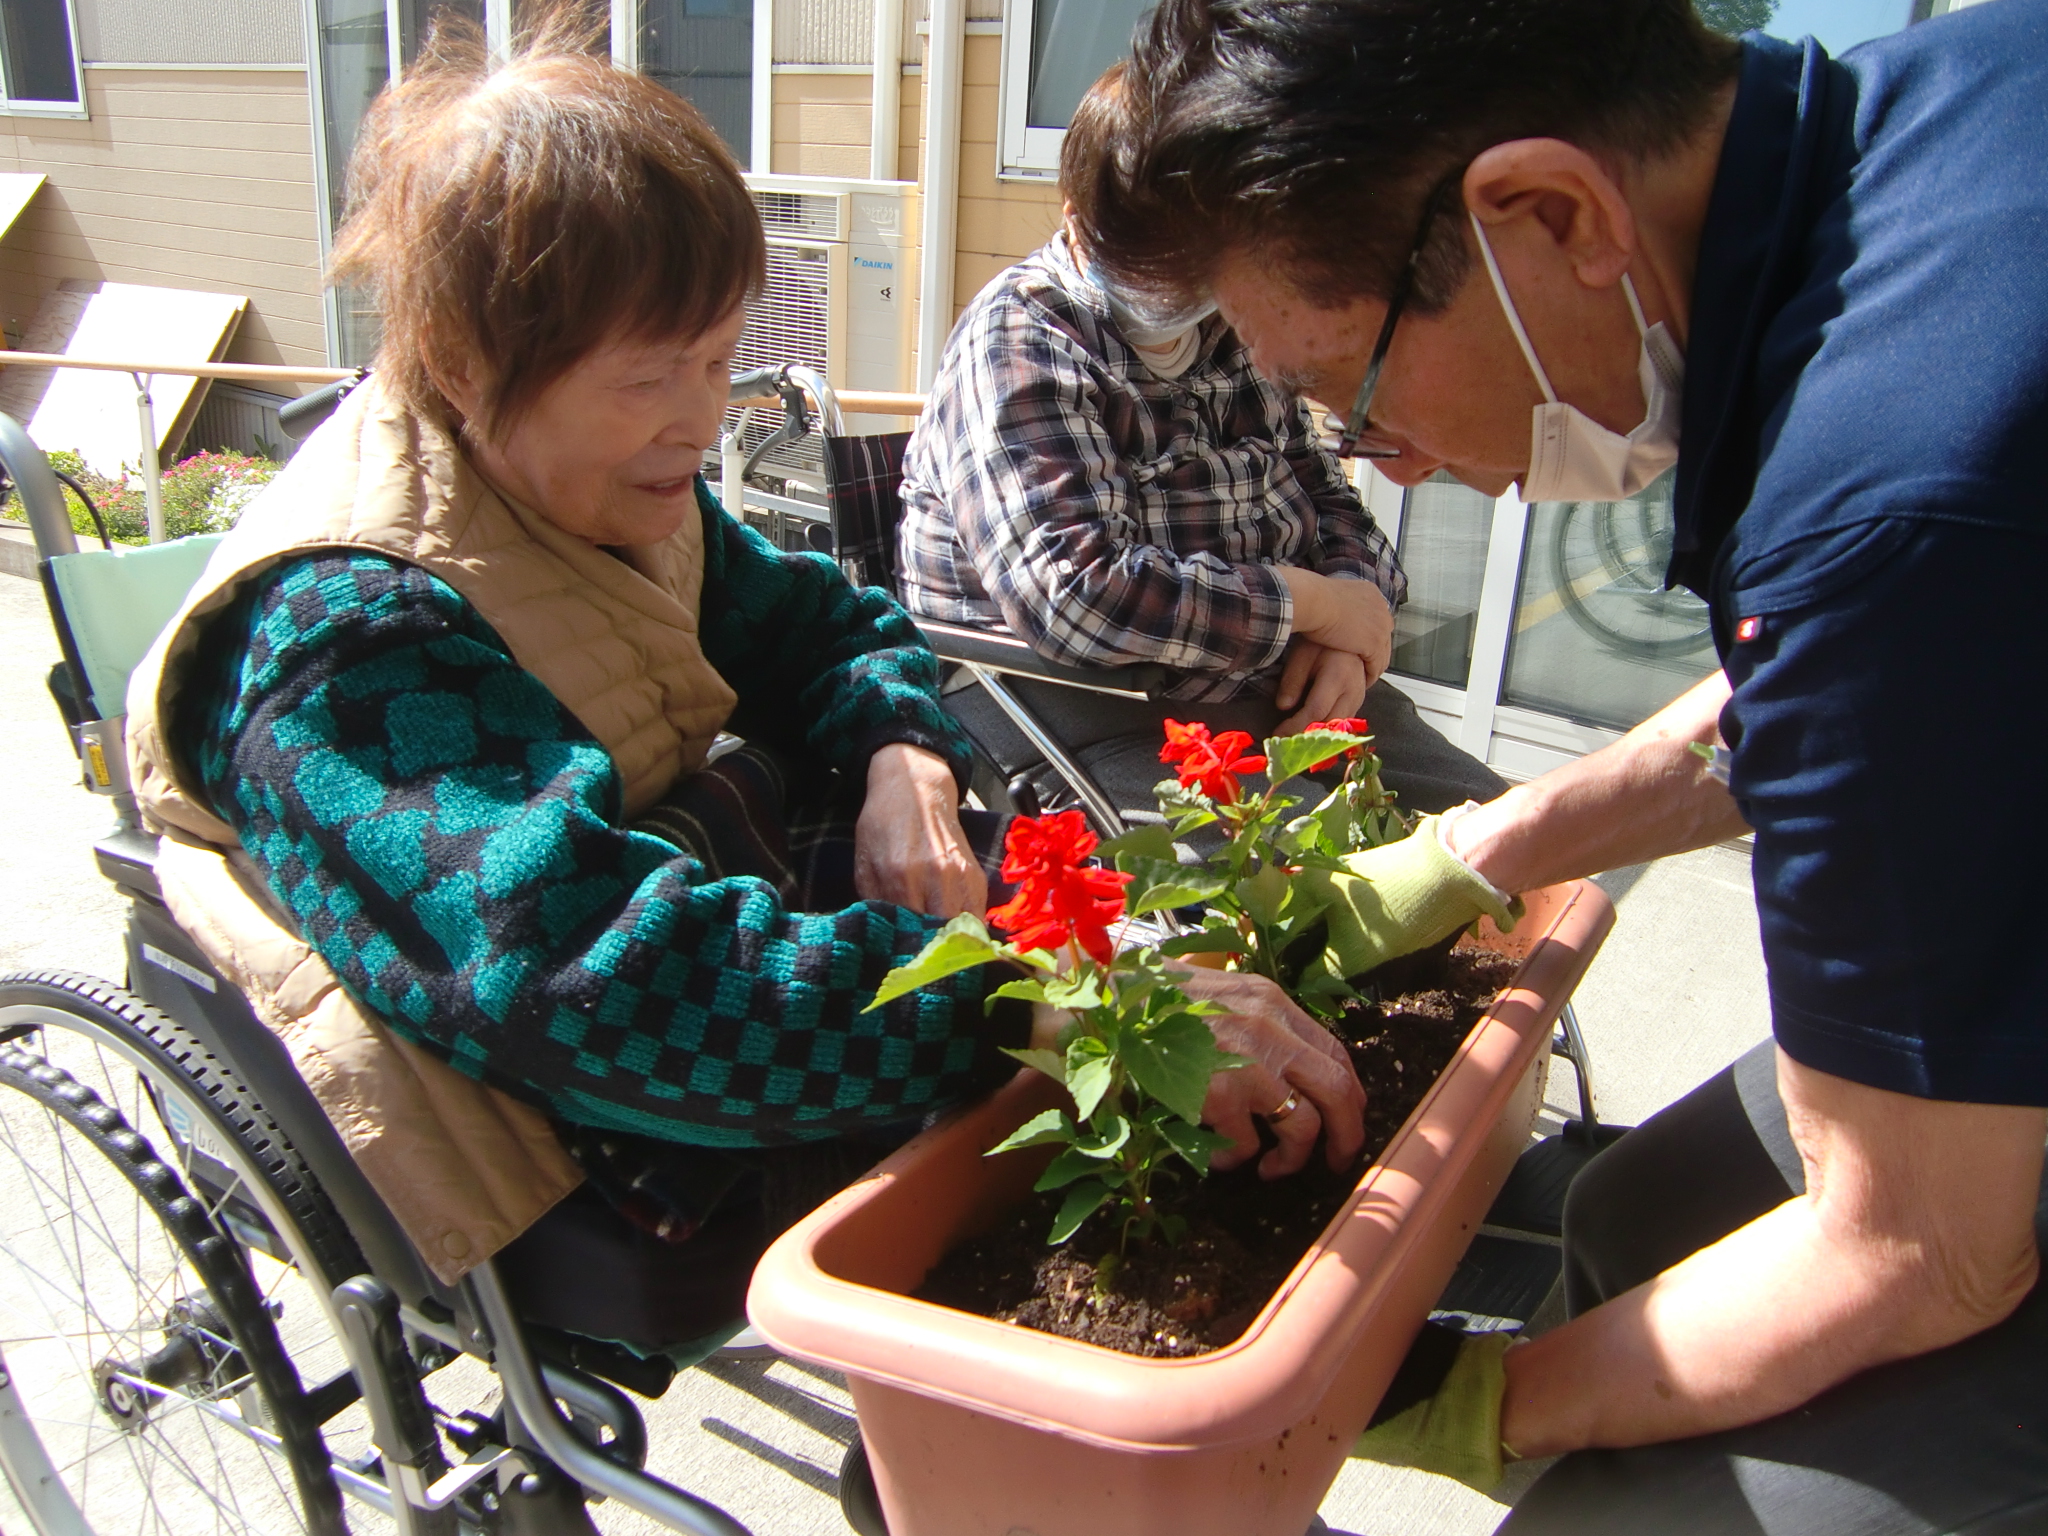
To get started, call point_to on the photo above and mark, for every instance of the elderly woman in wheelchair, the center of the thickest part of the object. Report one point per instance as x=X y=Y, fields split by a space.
x=432 y=747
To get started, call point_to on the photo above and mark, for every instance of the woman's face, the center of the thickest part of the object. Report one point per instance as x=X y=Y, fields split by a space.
x=609 y=450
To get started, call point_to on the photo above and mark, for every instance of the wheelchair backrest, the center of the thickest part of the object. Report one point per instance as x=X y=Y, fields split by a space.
x=115 y=602
x=864 y=492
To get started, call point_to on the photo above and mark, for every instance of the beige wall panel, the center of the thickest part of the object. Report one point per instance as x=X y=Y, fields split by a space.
x=215 y=213
x=1012 y=226
x=220 y=201
x=183 y=178
x=971 y=273
x=192 y=260
x=999 y=221
x=264 y=98
x=55 y=228
x=910 y=129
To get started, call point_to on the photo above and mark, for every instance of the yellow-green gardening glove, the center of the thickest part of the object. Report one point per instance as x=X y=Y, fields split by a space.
x=1455 y=1431
x=1400 y=898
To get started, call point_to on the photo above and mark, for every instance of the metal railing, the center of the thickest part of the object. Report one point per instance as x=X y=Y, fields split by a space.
x=863 y=402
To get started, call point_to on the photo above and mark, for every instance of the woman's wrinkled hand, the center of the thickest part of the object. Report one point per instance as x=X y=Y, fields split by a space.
x=1326 y=684
x=1287 y=1053
x=908 y=846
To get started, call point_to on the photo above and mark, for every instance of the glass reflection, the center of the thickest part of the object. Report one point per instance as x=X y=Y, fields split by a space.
x=1596 y=637
x=1445 y=528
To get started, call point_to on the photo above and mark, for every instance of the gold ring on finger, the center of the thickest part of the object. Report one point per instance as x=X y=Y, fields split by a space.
x=1283 y=1109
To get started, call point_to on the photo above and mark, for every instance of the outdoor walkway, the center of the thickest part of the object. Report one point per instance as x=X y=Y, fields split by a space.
x=1677 y=994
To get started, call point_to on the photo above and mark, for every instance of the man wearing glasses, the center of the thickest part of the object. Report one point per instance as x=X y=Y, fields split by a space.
x=1115 y=482
x=1566 y=244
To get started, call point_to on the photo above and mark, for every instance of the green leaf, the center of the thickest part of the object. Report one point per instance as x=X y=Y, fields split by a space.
x=1172 y=1059
x=1148 y=840
x=1264 y=893
x=1049 y=1126
x=1208 y=941
x=1195 y=1143
x=1088 y=1080
x=1161 y=885
x=1051 y=1063
x=1030 y=991
x=961 y=945
x=1288 y=756
x=1076 y=993
x=1083 y=1201
x=1070 y=1165
x=1104 y=1141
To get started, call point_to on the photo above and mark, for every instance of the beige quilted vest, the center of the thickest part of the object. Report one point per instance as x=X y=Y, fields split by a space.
x=463 y=1167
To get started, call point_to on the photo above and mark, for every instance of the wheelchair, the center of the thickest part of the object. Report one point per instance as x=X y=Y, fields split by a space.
x=213 y=1323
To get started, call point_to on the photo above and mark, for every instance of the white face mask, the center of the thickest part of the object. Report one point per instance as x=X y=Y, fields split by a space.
x=1165 y=340
x=1571 y=456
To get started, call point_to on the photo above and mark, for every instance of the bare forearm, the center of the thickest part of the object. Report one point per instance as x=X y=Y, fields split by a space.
x=1645 y=796
x=1916 y=1231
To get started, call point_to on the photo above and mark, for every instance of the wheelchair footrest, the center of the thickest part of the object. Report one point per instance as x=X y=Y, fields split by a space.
x=1532 y=1199
x=1500 y=1284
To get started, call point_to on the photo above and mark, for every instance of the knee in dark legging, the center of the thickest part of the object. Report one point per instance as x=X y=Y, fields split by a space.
x=1601 y=1227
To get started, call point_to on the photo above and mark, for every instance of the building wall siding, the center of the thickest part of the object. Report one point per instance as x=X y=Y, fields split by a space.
x=183 y=178
x=999 y=221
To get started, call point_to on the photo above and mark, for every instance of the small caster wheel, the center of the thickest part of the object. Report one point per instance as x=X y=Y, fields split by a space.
x=858 y=1499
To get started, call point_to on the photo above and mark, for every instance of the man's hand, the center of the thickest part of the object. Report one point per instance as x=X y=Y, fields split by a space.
x=1288 y=1054
x=1327 y=684
x=908 y=846
x=1399 y=898
x=1342 y=614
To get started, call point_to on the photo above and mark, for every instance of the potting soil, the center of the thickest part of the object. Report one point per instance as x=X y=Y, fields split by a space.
x=1244 y=1234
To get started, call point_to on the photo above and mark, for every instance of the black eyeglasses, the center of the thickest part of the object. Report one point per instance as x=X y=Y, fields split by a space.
x=1345 y=438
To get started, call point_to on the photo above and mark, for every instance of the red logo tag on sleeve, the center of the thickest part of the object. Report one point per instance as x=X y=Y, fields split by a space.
x=1749 y=628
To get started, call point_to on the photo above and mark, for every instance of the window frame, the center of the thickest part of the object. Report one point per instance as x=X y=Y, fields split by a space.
x=1022 y=152
x=76 y=109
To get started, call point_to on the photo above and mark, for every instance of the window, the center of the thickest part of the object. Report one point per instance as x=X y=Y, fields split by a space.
x=355 y=45
x=39 y=59
x=1053 y=50
x=1596 y=638
x=704 y=51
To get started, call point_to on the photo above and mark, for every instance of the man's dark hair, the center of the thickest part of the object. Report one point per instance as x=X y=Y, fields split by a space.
x=1315 y=131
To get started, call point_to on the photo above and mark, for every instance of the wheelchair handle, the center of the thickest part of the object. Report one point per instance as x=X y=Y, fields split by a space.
x=299 y=417
x=35 y=485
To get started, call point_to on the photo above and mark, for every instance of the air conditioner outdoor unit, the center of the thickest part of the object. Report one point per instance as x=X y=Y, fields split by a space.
x=841 y=275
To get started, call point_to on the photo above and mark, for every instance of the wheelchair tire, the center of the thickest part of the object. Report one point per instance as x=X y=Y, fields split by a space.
x=145 y=1387
x=859 y=1500
x=243 y=1177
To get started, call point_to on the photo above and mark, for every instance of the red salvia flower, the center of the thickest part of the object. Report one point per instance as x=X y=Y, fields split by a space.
x=1210 y=765
x=1060 y=898
x=1350 y=725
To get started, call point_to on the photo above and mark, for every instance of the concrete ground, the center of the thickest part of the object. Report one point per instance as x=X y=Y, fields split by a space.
x=1677 y=993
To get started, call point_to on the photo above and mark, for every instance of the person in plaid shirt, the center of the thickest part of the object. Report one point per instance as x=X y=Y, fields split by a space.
x=1115 y=487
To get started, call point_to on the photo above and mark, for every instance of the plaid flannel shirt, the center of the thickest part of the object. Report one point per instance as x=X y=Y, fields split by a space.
x=1056 y=487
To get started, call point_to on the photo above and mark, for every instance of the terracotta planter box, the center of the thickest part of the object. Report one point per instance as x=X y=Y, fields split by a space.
x=979 y=1428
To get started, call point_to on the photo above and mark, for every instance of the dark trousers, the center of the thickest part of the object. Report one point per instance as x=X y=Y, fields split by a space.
x=1117 y=741
x=1950 y=1442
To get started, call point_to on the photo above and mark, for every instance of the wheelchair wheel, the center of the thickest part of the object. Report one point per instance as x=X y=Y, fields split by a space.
x=1611 y=557
x=169 y=1364
x=859 y=1500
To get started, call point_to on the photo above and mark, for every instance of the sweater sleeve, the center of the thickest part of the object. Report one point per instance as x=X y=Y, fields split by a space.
x=447 y=835
x=822 y=668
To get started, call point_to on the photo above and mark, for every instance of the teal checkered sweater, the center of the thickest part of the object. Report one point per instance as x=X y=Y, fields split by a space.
x=449 y=837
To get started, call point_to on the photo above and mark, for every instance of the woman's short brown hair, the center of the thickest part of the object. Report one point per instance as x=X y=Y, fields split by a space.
x=509 y=217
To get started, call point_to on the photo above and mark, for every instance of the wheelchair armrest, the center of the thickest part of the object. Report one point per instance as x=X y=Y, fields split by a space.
x=1006 y=653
